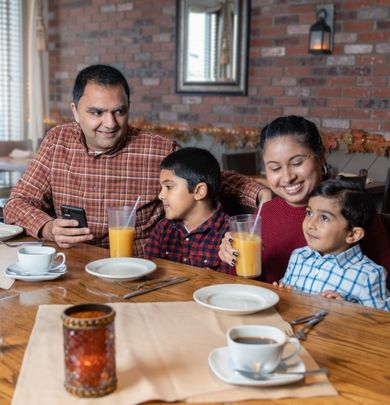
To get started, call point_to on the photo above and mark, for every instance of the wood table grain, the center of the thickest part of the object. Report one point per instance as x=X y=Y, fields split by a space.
x=353 y=341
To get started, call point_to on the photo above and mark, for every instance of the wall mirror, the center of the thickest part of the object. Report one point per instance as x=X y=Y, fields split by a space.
x=212 y=46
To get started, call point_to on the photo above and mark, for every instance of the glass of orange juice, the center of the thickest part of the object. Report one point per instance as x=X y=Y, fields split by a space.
x=121 y=231
x=246 y=234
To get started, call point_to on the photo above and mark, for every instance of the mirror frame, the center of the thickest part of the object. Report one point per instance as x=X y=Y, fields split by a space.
x=237 y=87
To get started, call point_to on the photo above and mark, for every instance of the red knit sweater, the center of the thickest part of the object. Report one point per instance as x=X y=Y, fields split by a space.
x=282 y=233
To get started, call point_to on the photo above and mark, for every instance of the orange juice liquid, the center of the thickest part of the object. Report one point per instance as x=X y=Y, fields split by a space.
x=249 y=254
x=121 y=241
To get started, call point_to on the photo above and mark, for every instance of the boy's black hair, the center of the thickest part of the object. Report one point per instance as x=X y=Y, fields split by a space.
x=357 y=206
x=102 y=75
x=195 y=165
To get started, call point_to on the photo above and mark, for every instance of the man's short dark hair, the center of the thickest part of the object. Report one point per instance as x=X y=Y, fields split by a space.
x=102 y=75
x=195 y=165
x=357 y=206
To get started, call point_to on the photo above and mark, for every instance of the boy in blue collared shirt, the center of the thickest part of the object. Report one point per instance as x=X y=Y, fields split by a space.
x=332 y=264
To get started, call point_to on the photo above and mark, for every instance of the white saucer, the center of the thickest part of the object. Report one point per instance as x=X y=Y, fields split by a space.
x=236 y=299
x=220 y=365
x=38 y=277
x=120 y=268
x=9 y=231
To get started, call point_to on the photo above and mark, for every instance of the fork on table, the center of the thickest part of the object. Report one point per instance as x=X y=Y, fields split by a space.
x=19 y=243
x=311 y=321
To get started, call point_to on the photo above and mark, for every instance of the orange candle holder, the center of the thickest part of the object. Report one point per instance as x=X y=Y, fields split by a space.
x=89 y=345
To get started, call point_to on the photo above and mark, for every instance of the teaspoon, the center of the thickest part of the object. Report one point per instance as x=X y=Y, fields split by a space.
x=262 y=375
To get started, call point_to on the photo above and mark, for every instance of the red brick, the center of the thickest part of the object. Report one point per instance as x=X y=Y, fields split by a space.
x=322 y=112
x=327 y=91
x=366 y=124
x=286 y=101
x=273 y=31
x=259 y=42
x=303 y=111
x=354 y=113
x=371 y=81
x=371 y=59
x=373 y=37
x=272 y=91
x=380 y=114
x=381 y=92
x=356 y=92
x=358 y=26
x=342 y=81
x=381 y=70
x=342 y=102
x=354 y=4
x=200 y=108
x=297 y=71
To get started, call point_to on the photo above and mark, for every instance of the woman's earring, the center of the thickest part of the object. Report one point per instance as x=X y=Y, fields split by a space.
x=324 y=170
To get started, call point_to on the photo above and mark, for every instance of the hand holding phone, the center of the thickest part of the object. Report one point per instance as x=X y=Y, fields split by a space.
x=77 y=213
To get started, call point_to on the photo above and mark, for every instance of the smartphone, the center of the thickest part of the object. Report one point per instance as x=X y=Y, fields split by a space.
x=77 y=213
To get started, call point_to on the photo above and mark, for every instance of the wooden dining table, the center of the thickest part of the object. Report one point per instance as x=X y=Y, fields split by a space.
x=353 y=341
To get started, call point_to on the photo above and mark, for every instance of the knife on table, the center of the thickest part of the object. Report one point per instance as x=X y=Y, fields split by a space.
x=156 y=287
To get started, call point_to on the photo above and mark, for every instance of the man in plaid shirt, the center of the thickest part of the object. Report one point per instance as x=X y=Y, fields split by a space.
x=194 y=222
x=96 y=162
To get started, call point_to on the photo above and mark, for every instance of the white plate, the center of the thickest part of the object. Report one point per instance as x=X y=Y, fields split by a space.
x=236 y=299
x=39 y=277
x=9 y=231
x=120 y=268
x=220 y=365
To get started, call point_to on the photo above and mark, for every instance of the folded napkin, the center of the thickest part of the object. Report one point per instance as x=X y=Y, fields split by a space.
x=7 y=256
x=161 y=352
x=21 y=154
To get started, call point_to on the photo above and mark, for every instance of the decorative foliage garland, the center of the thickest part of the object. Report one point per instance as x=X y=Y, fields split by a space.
x=231 y=138
x=357 y=140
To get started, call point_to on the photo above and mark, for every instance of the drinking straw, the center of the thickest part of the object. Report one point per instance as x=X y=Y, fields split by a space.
x=257 y=218
x=133 y=211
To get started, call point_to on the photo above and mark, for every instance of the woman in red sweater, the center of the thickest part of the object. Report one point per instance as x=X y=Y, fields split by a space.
x=294 y=164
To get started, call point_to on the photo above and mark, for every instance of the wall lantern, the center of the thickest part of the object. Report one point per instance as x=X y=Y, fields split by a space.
x=321 y=32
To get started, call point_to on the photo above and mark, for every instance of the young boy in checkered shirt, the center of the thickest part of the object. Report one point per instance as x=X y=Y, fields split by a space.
x=194 y=222
x=332 y=264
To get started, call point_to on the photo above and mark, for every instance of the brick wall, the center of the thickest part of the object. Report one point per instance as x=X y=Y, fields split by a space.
x=348 y=89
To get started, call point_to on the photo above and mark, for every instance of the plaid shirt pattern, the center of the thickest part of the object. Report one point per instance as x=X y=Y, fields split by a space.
x=65 y=172
x=170 y=240
x=351 y=274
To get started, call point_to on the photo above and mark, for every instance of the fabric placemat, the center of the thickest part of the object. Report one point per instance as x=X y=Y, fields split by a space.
x=161 y=352
x=8 y=255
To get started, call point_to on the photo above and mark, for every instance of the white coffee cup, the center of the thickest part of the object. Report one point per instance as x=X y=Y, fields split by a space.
x=258 y=347
x=39 y=259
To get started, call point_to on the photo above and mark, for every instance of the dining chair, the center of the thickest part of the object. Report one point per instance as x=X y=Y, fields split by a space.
x=232 y=207
x=386 y=195
x=359 y=180
x=242 y=162
x=6 y=147
x=385 y=218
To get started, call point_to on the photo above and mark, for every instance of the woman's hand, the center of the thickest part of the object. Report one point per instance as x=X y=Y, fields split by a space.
x=332 y=295
x=226 y=252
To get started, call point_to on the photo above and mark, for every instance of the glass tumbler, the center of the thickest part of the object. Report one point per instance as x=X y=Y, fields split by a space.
x=89 y=345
